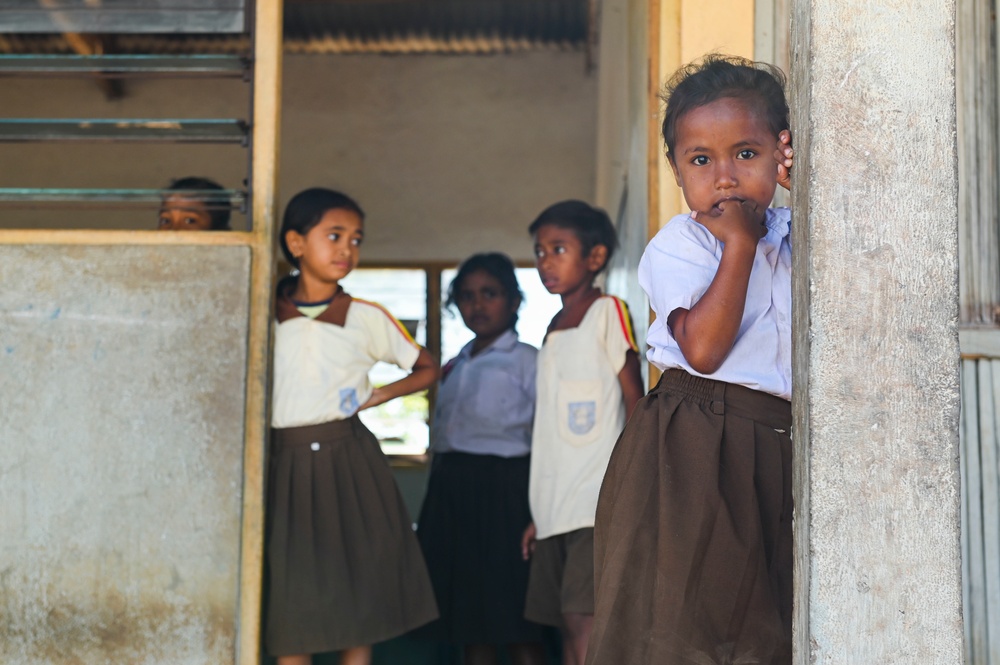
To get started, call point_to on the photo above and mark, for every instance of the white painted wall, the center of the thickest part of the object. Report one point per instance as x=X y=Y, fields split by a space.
x=622 y=153
x=448 y=155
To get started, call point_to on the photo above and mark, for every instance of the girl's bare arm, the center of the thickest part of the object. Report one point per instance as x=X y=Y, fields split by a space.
x=630 y=379
x=706 y=332
x=423 y=375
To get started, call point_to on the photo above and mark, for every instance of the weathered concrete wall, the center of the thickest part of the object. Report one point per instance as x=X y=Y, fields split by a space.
x=122 y=382
x=876 y=344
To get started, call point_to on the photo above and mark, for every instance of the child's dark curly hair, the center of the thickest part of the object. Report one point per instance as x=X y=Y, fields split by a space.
x=721 y=76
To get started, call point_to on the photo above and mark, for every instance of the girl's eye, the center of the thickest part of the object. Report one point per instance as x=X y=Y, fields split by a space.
x=334 y=237
x=490 y=294
x=356 y=242
x=700 y=160
x=746 y=154
x=539 y=253
x=558 y=249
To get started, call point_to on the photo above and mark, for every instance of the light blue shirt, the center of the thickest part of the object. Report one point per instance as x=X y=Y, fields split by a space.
x=676 y=270
x=486 y=402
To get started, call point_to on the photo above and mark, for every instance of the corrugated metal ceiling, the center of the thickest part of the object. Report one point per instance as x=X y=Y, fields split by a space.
x=374 y=26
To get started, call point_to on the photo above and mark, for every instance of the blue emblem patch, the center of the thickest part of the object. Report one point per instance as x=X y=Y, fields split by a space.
x=348 y=401
x=582 y=416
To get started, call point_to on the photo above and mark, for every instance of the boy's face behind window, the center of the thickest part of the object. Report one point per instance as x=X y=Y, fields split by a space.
x=183 y=214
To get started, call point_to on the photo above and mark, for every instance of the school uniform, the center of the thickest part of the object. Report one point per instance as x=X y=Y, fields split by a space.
x=693 y=542
x=343 y=566
x=579 y=415
x=476 y=506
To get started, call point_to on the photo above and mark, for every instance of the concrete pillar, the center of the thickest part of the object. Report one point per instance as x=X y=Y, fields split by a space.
x=876 y=344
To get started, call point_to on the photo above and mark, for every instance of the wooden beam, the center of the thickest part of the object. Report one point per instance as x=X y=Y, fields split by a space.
x=263 y=213
x=433 y=329
x=979 y=342
x=122 y=237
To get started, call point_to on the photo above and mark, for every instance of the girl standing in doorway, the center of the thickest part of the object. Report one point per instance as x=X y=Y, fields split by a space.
x=344 y=567
x=693 y=538
x=477 y=495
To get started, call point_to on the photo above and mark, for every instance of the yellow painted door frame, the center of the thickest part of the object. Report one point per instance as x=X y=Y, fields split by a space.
x=680 y=31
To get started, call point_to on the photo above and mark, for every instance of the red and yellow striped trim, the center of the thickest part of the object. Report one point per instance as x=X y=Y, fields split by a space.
x=399 y=326
x=626 y=322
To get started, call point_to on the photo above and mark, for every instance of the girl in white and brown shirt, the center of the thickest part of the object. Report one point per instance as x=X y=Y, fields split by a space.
x=344 y=568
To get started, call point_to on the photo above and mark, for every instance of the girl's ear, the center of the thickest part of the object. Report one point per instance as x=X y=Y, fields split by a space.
x=597 y=258
x=296 y=243
x=673 y=167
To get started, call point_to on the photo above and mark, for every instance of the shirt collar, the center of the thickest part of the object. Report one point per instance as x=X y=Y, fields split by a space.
x=505 y=342
x=335 y=313
x=778 y=220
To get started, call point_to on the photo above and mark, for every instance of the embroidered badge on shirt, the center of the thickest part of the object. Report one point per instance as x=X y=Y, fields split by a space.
x=582 y=416
x=348 y=401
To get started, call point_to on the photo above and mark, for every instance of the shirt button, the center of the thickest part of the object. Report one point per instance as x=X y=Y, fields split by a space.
x=314 y=445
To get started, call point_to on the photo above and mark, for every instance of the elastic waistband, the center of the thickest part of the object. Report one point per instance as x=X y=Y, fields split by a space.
x=308 y=434
x=728 y=397
x=460 y=457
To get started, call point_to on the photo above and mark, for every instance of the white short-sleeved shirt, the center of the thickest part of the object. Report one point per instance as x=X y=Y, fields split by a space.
x=321 y=369
x=486 y=402
x=578 y=416
x=677 y=268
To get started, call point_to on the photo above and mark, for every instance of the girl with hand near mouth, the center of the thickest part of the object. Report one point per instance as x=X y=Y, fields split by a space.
x=693 y=541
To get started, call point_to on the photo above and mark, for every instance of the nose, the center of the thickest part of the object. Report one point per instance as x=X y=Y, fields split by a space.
x=725 y=174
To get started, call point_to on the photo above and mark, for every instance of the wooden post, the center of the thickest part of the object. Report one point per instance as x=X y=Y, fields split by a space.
x=263 y=213
x=876 y=402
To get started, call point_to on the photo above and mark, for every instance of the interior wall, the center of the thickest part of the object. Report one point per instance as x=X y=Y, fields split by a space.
x=623 y=149
x=448 y=155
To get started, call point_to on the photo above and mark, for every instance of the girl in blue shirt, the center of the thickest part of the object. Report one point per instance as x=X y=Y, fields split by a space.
x=693 y=536
x=477 y=495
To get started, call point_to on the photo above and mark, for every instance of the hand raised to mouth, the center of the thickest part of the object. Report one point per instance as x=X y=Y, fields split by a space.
x=733 y=221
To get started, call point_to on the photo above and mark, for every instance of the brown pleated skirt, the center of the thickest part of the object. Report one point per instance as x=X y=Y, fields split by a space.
x=693 y=540
x=343 y=565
